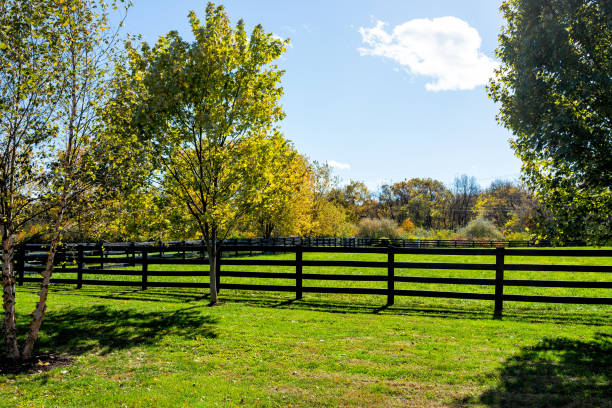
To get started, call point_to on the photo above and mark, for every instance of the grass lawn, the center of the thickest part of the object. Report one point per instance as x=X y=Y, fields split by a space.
x=166 y=348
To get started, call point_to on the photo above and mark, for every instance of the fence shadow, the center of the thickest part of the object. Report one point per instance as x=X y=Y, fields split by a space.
x=478 y=310
x=104 y=329
x=556 y=372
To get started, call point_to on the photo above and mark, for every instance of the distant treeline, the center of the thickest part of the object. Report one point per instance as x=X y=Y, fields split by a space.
x=321 y=206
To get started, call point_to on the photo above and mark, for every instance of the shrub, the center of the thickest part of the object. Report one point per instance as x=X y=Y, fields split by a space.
x=480 y=228
x=518 y=236
x=378 y=228
x=407 y=225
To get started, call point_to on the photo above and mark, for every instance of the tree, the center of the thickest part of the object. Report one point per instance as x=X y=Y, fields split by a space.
x=555 y=93
x=29 y=49
x=286 y=206
x=510 y=206
x=211 y=107
x=85 y=159
x=57 y=155
x=354 y=197
x=424 y=201
x=465 y=193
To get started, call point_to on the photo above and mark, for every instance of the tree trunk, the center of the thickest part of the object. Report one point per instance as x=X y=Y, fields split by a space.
x=212 y=258
x=8 y=297
x=41 y=306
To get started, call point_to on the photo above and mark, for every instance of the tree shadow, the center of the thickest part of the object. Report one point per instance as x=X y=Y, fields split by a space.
x=104 y=329
x=376 y=306
x=556 y=372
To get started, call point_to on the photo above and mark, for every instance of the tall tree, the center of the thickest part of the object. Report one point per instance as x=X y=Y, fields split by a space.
x=29 y=52
x=285 y=206
x=85 y=159
x=57 y=153
x=555 y=93
x=465 y=193
x=211 y=106
x=510 y=206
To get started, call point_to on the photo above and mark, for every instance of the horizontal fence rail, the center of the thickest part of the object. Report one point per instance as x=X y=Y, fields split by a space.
x=350 y=242
x=96 y=264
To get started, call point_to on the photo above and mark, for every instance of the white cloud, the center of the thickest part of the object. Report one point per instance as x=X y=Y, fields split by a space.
x=338 y=165
x=446 y=49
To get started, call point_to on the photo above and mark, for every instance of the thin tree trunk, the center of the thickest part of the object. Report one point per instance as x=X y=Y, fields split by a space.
x=41 y=306
x=39 y=312
x=8 y=297
x=212 y=258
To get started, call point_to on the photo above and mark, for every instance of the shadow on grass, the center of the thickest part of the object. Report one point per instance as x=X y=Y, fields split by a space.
x=80 y=330
x=556 y=372
x=475 y=310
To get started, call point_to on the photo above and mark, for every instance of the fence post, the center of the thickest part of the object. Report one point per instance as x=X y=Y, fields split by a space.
x=80 y=266
x=298 y=272
x=21 y=263
x=101 y=255
x=390 y=276
x=145 y=267
x=133 y=253
x=499 y=282
x=218 y=269
x=63 y=249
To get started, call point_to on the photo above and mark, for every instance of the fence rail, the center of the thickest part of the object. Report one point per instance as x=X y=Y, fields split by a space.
x=350 y=242
x=91 y=262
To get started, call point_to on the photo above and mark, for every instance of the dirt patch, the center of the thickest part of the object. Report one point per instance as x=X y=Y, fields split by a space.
x=37 y=364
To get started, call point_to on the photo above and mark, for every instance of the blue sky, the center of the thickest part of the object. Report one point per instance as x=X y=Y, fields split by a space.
x=382 y=90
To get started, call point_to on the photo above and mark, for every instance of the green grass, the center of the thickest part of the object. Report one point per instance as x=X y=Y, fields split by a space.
x=166 y=348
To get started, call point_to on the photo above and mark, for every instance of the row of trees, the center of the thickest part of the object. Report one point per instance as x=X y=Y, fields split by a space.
x=92 y=131
x=310 y=201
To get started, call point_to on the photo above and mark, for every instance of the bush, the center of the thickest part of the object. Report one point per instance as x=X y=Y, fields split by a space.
x=430 y=234
x=378 y=228
x=407 y=226
x=518 y=236
x=480 y=228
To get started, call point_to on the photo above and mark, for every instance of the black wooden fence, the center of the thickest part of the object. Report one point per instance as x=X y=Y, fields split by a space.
x=91 y=262
x=350 y=242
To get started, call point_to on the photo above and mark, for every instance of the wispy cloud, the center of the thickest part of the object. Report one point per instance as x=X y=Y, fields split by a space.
x=446 y=49
x=338 y=165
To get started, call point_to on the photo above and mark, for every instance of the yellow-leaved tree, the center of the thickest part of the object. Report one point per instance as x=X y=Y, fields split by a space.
x=211 y=107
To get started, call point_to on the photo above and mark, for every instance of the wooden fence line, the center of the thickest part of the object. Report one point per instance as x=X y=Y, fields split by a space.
x=350 y=242
x=83 y=259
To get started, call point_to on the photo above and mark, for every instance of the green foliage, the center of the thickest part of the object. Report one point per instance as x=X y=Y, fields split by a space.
x=555 y=91
x=480 y=228
x=286 y=206
x=518 y=236
x=431 y=234
x=378 y=228
x=511 y=207
x=424 y=201
x=330 y=220
x=210 y=107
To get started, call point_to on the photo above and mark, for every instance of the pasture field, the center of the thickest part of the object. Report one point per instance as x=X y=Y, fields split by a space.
x=166 y=348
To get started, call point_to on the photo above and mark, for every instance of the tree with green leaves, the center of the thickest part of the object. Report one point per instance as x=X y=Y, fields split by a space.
x=59 y=154
x=285 y=207
x=86 y=160
x=29 y=50
x=555 y=93
x=211 y=107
